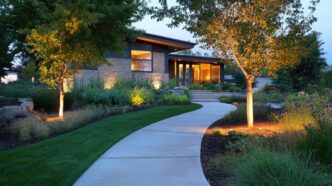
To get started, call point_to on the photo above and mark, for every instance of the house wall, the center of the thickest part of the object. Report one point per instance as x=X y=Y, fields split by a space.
x=121 y=68
x=158 y=75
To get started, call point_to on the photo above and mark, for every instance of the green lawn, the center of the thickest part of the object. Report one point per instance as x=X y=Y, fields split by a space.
x=61 y=160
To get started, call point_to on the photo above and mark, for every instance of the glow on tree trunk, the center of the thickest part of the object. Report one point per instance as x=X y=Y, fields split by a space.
x=61 y=99
x=250 y=106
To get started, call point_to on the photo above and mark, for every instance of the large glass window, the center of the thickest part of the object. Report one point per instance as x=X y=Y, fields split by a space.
x=141 y=60
x=215 y=73
x=196 y=73
x=205 y=73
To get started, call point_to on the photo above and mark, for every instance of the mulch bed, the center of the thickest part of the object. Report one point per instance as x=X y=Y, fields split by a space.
x=213 y=145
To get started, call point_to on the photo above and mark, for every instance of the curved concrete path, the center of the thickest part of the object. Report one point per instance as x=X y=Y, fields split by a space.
x=166 y=153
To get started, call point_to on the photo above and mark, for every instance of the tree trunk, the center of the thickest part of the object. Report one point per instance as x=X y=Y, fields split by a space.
x=61 y=99
x=250 y=106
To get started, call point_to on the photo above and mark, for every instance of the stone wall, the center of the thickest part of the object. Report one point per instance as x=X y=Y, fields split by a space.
x=121 y=68
x=158 y=76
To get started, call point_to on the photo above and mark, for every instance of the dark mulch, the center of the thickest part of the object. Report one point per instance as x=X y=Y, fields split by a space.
x=211 y=146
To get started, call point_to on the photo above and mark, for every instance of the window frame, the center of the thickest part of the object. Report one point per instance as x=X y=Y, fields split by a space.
x=131 y=60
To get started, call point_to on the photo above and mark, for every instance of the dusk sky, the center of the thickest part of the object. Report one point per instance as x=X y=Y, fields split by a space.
x=323 y=25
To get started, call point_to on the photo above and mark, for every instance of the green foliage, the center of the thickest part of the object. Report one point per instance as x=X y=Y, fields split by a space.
x=133 y=83
x=326 y=79
x=170 y=84
x=261 y=112
x=141 y=96
x=174 y=99
x=299 y=77
x=274 y=168
x=233 y=99
x=29 y=71
x=270 y=97
x=320 y=142
x=46 y=99
x=19 y=89
x=5 y=42
x=195 y=86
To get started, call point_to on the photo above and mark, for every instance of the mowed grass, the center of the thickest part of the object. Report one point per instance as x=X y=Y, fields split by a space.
x=61 y=160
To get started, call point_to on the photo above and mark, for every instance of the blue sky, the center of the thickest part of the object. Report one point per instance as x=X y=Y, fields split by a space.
x=323 y=25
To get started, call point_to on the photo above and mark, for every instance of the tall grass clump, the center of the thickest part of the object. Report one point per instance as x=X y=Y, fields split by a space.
x=33 y=127
x=302 y=111
x=261 y=112
x=19 y=89
x=261 y=168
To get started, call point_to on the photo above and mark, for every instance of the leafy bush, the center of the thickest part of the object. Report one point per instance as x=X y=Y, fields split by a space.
x=46 y=99
x=133 y=83
x=170 y=84
x=195 y=86
x=233 y=99
x=319 y=140
x=261 y=112
x=19 y=89
x=275 y=168
x=303 y=110
x=271 y=97
x=176 y=99
x=141 y=96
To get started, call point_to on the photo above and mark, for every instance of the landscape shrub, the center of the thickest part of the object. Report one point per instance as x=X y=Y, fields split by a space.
x=174 y=99
x=301 y=111
x=319 y=141
x=19 y=89
x=195 y=86
x=233 y=99
x=133 y=83
x=170 y=84
x=262 y=167
x=268 y=97
x=46 y=100
x=141 y=96
x=261 y=113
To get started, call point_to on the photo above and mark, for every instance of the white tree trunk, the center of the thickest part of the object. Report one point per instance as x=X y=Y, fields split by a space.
x=61 y=99
x=250 y=106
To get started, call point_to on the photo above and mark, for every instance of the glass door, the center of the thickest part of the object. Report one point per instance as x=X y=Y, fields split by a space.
x=183 y=74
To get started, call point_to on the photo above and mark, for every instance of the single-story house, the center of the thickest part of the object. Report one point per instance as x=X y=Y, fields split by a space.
x=152 y=56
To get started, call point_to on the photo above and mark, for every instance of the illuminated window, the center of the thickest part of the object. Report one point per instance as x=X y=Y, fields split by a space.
x=215 y=73
x=141 y=60
x=205 y=73
x=196 y=73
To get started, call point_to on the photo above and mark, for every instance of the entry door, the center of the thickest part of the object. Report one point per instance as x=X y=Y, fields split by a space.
x=183 y=74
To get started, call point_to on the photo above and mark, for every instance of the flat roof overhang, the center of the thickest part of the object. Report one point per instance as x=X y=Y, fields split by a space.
x=194 y=59
x=171 y=42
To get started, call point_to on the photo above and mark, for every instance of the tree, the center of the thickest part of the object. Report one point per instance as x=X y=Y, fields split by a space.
x=76 y=33
x=257 y=35
x=29 y=71
x=5 y=56
x=309 y=70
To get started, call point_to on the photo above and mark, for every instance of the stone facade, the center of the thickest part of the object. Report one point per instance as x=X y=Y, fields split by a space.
x=121 y=68
x=158 y=75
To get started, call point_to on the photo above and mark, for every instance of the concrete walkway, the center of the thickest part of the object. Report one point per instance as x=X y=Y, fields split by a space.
x=166 y=153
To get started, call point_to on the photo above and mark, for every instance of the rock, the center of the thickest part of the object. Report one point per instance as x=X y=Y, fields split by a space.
x=276 y=106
